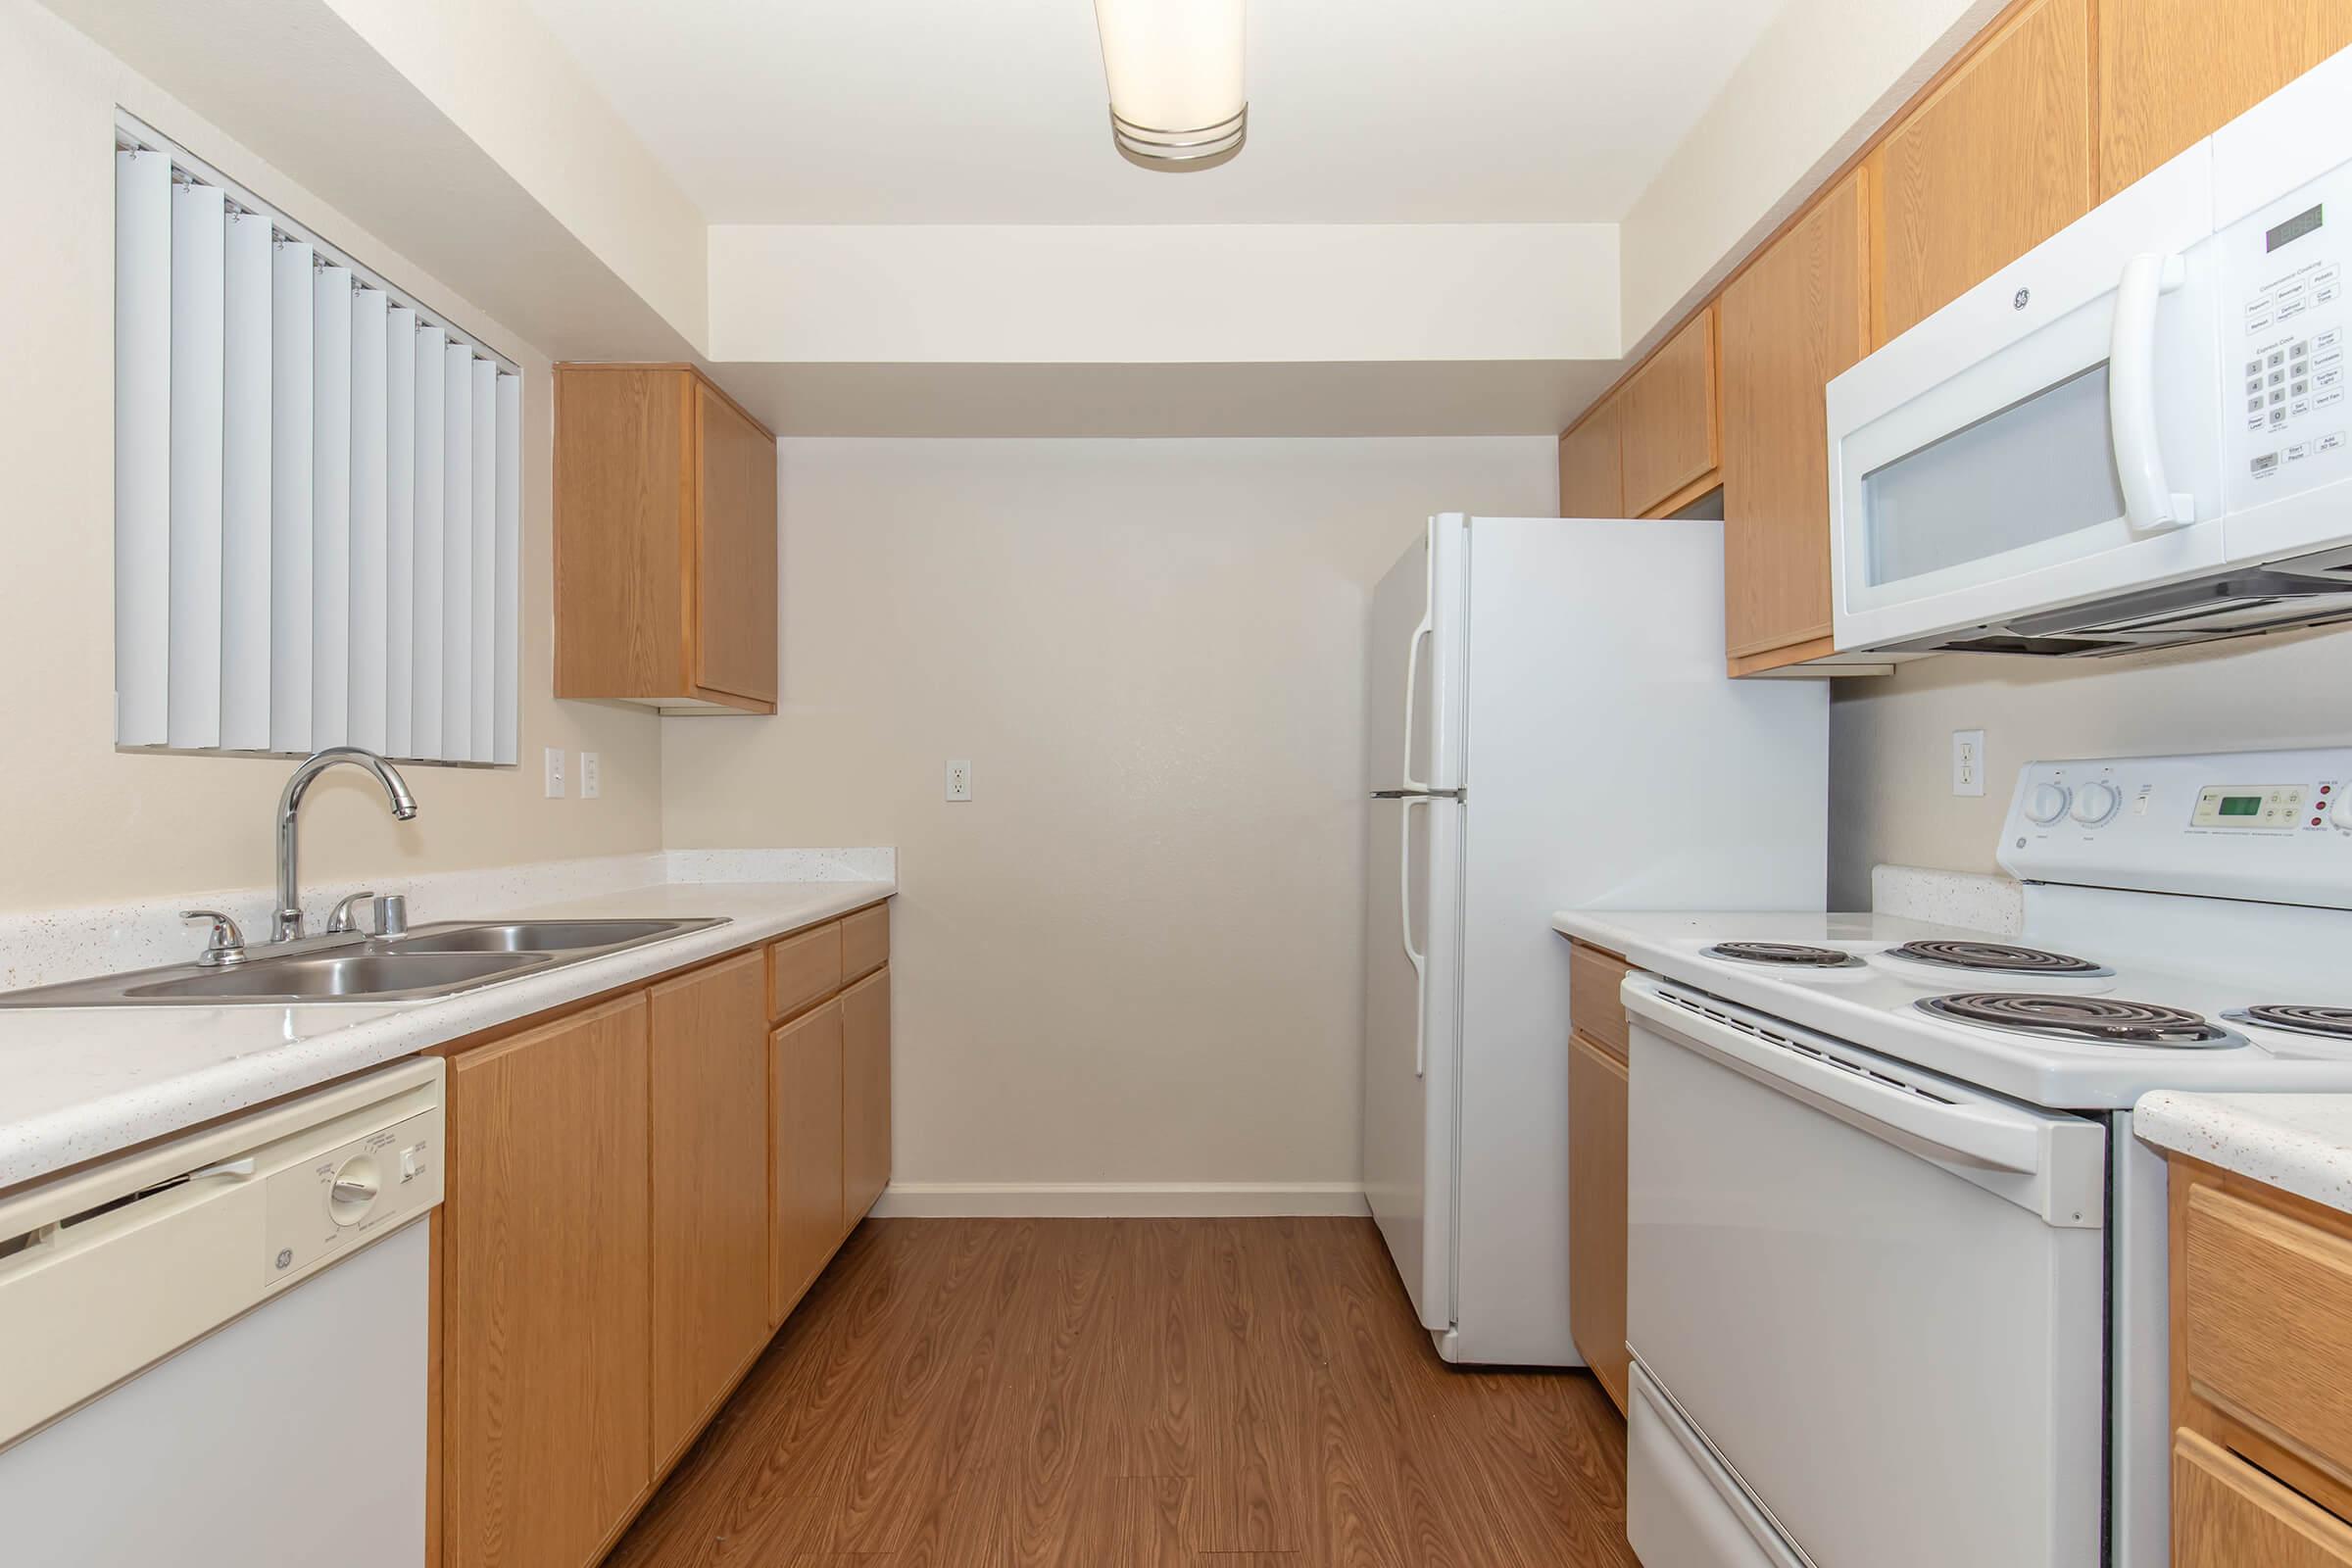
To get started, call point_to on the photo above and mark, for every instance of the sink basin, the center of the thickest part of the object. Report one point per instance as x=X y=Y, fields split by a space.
x=432 y=961
x=339 y=977
x=536 y=936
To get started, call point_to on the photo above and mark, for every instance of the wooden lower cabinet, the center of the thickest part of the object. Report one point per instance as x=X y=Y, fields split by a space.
x=709 y=1190
x=865 y=1092
x=810 y=1214
x=2227 y=1514
x=1598 y=1084
x=543 y=1242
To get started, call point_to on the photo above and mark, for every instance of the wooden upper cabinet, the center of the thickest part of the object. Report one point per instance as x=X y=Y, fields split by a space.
x=1670 y=435
x=666 y=541
x=1592 y=466
x=708 y=1159
x=2173 y=70
x=544 y=1321
x=1790 y=323
x=1996 y=160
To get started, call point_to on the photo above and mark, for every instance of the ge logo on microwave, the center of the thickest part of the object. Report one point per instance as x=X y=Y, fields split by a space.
x=2022 y=295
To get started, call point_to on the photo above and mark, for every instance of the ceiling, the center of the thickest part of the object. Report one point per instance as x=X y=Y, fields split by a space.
x=993 y=111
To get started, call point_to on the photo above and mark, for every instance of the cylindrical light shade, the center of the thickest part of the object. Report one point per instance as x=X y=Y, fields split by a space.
x=1175 y=72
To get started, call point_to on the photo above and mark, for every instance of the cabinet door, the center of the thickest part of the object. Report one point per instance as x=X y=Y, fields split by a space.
x=621 y=437
x=544 y=1331
x=1789 y=323
x=709 y=1190
x=809 y=1214
x=735 y=551
x=1596 y=1181
x=866 y=1093
x=1591 y=478
x=1995 y=161
x=1669 y=434
x=2227 y=1514
x=2173 y=70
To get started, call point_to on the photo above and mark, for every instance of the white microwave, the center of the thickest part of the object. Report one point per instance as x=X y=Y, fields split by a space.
x=2136 y=434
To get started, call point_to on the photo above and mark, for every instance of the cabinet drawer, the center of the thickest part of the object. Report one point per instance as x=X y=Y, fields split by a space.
x=804 y=969
x=865 y=942
x=2227 y=1514
x=1594 y=977
x=2266 y=1298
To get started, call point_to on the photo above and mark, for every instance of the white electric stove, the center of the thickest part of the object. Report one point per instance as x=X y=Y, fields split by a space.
x=1896 y=1266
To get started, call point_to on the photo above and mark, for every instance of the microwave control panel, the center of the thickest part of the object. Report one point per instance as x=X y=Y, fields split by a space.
x=2284 y=375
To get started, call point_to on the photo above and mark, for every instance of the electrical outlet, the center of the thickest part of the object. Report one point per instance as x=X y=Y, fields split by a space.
x=1968 y=761
x=555 y=772
x=591 y=785
x=960 y=780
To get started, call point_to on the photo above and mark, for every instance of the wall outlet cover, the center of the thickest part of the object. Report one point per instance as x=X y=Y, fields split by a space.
x=555 y=772
x=960 y=779
x=591 y=782
x=1968 y=761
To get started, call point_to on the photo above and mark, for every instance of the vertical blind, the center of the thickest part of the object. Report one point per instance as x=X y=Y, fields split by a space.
x=317 y=490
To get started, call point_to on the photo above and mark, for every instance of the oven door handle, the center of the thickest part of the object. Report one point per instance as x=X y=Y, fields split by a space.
x=2151 y=505
x=1983 y=1136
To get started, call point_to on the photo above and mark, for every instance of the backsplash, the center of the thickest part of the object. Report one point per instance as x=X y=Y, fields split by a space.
x=1970 y=898
x=45 y=945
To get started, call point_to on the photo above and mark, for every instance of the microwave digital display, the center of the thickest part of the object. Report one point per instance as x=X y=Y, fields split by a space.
x=2294 y=228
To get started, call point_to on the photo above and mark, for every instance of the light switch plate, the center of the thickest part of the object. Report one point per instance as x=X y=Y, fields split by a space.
x=591 y=783
x=960 y=779
x=555 y=772
x=1968 y=761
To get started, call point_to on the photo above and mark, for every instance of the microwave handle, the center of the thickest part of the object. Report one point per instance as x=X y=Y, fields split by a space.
x=2150 y=505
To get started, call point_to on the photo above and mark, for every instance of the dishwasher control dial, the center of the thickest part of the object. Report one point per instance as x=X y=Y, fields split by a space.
x=2095 y=804
x=354 y=1192
x=2047 y=803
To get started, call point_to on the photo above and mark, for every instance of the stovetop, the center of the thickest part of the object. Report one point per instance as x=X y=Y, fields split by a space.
x=2211 y=1034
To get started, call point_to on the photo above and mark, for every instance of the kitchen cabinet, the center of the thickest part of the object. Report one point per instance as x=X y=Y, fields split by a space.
x=2261 y=1399
x=810 y=1213
x=865 y=1092
x=1668 y=426
x=2173 y=71
x=542 y=1251
x=1598 y=1103
x=1997 y=158
x=709 y=1190
x=666 y=541
x=1790 y=323
x=1591 y=469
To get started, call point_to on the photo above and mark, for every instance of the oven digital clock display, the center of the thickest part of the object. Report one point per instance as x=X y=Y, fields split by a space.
x=2250 y=806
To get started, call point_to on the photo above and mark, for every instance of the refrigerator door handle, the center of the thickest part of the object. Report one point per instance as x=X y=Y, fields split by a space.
x=1404 y=921
x=1412 y=665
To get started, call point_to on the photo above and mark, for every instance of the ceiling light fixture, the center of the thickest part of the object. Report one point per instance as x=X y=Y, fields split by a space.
x=1174 y=67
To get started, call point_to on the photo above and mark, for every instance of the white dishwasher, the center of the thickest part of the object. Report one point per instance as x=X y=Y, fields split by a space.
x=215 y=1349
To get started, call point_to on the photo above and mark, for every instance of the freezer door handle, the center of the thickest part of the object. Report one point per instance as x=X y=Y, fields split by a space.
x=1412 y=665
x=1405 y=923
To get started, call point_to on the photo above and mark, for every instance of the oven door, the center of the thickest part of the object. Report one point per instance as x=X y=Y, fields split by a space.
x=1875 y=1296
x=2050 y=437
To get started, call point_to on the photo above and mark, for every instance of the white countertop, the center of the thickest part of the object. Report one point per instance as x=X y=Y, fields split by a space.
x=2301 y=1144
x=77 y=1083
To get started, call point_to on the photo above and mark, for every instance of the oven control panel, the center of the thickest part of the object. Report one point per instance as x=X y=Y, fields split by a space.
x=2269 y=825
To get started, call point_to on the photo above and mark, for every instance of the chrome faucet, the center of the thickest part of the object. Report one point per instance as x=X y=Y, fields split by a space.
x=288 y=924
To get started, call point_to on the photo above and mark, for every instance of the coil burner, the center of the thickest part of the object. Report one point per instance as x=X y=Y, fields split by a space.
x=1784 y=956
x=2083 y=1020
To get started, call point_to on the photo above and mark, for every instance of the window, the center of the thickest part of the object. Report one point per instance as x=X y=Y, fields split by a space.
x=318 y=489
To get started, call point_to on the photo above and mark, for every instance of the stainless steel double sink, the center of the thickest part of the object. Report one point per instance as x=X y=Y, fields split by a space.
x=430 y=961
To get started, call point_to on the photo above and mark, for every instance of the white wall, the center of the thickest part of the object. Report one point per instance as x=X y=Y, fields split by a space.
x=1891 y=795
x=1134 y=955
x=86 y=824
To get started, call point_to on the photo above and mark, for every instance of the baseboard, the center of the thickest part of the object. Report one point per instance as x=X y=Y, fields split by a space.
x=1116 y=1199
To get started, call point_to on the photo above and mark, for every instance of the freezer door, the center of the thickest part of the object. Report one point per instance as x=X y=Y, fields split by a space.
x=1412 y=961
x=1413 y=706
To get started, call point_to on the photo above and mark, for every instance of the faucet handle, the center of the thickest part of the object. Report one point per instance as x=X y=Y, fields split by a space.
x=392 y=915
x=341 y=921
x=224 y=944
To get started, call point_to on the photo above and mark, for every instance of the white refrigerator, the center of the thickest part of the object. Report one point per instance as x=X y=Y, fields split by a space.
x=1550 y=727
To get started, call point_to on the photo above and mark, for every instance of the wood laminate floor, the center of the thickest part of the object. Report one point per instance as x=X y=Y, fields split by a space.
x=1210 y=1394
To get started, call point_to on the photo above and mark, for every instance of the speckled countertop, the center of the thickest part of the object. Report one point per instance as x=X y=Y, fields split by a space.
x=77 y=1083
x=2301 y=1144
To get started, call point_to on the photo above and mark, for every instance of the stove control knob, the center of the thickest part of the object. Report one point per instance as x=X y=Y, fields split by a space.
x=2095 y=804
x=2047 y=804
